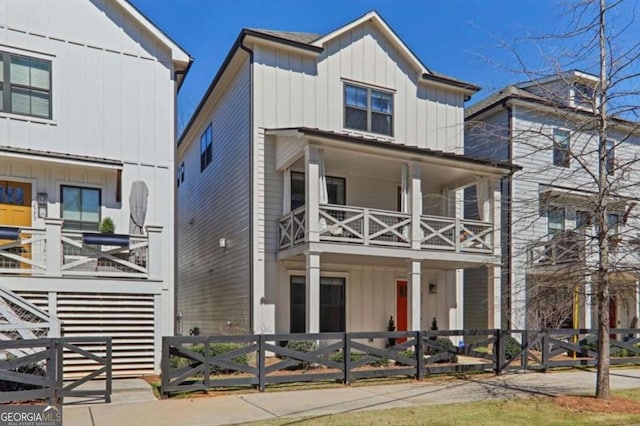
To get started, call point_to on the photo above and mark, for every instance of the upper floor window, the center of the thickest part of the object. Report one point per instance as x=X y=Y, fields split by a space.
x=25 y=85
x=610 y=161
x=561 y=146
x=613 y=221
x=206 y=148
x=368 y=109
x=81 y=208
x=335 y=190
x=582 y=95
x=556 y=216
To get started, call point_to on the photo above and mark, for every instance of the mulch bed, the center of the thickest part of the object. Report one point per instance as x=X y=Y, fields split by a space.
x=590 y=404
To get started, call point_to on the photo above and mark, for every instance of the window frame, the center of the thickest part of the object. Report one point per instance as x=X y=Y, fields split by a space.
x=369 y=108
x=299 y=173
x=206 y=154
x=562 y=149
x=552 y=232
x=6 y=86
x=80 y=223
x=610 y=159
x=323 y=307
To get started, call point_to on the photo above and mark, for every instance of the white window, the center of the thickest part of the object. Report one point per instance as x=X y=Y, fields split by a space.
x=81 y=208
x=25 y=85
x=556 y=217
x=561 y=146
x=582 y=95
x=335 y=190
x=368 y=109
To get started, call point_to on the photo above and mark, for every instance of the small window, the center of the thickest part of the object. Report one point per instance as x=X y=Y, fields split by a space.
x=613 y=221
x=332 y=305
x=556 y=217
x=180 y=175
x=336 y=190
x=206 y=148
x=582 y=95
x=25 y=85
x=81 y=208
x=583 y=219
x=610 y=161
x=367 y=109
x=561 y=147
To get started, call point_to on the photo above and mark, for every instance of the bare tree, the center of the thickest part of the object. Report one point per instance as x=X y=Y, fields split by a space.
x=584 y=124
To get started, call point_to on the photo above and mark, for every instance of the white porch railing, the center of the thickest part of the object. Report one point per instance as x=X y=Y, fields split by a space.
x=563 y=249
x=373 y=227
x=24 y=255
x=54 y=252
x=82 y=259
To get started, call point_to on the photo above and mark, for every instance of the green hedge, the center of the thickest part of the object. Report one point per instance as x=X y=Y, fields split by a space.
x=215 y=349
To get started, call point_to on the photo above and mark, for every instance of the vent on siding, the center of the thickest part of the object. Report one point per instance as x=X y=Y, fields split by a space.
x=127 y=318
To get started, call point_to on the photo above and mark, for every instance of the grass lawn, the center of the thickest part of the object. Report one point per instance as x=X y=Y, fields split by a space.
x=529 y=411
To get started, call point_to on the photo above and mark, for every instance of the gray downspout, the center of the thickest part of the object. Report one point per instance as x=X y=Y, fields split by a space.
x=251 y=189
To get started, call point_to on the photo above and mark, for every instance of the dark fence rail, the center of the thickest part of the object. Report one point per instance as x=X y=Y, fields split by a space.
x=33 y=369
x=199 y=363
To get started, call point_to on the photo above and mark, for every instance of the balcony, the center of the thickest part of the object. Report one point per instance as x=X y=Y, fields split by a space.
x=374 y=227
x=53 y=252
x=564 y=249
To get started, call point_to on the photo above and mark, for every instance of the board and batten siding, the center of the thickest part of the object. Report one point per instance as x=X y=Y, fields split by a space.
x=214 y=281
x=370 y=296
x=297 y=90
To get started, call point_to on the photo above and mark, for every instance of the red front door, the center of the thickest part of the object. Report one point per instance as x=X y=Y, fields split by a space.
x=401 y=307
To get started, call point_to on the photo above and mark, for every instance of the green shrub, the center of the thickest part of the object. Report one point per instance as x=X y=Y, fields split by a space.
x=34 y=369
x=511 y=347
x=303 y=346
x=339 y=357
x=215 y=349
x=451 y=350
x=107 y=226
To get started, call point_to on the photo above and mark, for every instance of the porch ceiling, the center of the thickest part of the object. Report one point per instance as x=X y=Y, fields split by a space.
x=342 y=162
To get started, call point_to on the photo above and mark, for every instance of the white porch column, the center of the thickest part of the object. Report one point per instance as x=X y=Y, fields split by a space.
x=495 y=272
x=312 y=184
x=53 y=230
x=154 y=235
x=313 y=292
x=414 y=292
x=286 y=191
x=415 y=201
x=588 y=298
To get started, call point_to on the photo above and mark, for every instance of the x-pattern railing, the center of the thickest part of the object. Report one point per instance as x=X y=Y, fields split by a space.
x=340 y=223
x=129 y=261
x=561 y=249
x=24 y=255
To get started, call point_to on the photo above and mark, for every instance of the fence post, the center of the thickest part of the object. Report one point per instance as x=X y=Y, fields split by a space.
x=346 y=359
x=206 y=371
x=498 y=347
x=419 y=356
x=165 y=365
x=58 y=346
x=261 y=363
x=109 y=367
x=524 y=360
x=52 y=366
x=545 y=350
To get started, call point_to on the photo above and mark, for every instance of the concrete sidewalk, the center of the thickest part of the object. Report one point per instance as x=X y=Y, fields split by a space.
x=234 y=409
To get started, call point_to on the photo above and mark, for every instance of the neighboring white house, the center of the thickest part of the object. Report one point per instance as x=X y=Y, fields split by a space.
x=87 y=132
x=548 y=237
x=320 y=190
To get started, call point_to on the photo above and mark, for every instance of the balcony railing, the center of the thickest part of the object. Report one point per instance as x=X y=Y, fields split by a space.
x=564 y=249
x=53 y=252
x=374 y=227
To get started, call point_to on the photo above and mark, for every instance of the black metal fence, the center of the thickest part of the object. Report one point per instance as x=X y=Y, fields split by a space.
x=198 y=363
x=33 y=369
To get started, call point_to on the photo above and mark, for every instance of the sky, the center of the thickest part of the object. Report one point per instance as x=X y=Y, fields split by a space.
x=461 y=38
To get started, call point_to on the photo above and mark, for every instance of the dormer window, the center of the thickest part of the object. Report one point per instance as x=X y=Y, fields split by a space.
x=368 y=109
x=582 y=95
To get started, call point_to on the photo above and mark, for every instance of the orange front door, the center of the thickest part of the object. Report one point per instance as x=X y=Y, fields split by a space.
x=401 y=307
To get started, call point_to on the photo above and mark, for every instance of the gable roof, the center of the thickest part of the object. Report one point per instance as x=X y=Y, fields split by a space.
x=509 y=92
